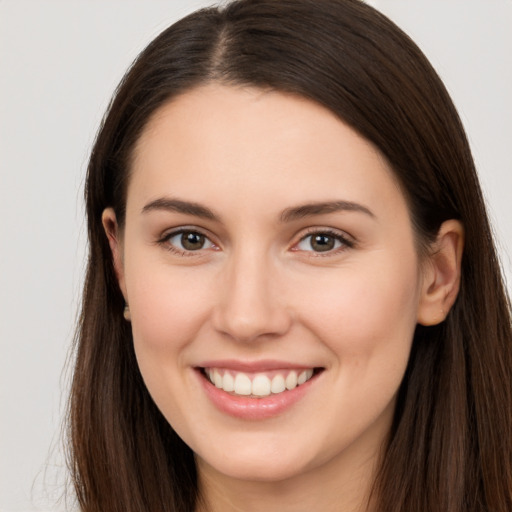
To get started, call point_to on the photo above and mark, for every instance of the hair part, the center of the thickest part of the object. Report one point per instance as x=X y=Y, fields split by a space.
x=450 y=448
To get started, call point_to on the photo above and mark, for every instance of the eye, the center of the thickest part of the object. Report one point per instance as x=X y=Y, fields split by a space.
x=187 y=241
x=323 y=242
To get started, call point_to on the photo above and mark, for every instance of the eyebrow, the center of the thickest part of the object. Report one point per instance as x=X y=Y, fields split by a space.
x=307 y=210
x=186 y=207
x=288 y=215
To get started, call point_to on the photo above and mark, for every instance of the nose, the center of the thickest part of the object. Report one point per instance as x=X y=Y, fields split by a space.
x=251 y=301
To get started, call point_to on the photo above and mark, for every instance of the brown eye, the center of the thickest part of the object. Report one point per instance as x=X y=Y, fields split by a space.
x=323 y=242
x=192 y=241
x=185 y=241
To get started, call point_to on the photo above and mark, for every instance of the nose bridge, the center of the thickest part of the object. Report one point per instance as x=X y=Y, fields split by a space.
x=251 y=305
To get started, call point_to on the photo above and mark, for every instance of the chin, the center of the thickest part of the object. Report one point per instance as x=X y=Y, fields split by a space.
x=256 y=464
x=258 y=471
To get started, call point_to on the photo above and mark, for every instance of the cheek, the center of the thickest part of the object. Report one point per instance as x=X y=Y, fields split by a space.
x=367 y=320
x=168 y=308
x=367 y=311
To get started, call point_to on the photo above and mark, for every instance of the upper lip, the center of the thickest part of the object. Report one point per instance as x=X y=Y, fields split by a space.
x=254 y=366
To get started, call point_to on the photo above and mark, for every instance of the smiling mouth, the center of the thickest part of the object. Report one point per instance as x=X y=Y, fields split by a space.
x=258 y=385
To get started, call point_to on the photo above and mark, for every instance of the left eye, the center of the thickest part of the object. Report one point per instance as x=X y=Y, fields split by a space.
x=321 y=242
x=189 y=241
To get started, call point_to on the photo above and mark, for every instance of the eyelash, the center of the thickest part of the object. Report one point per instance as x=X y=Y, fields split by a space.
x=344 y=241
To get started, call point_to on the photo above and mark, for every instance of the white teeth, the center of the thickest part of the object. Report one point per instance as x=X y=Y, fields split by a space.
x=277 y=385
x=304 y=376
x=229 y=382
x=242 y=384
x=217 y=379
x=260 y=385
x=291 y=380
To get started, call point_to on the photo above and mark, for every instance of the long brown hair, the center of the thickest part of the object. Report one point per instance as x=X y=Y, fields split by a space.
x=450 y=447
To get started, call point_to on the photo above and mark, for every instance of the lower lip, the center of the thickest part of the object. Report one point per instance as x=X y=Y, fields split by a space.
x=254 y=408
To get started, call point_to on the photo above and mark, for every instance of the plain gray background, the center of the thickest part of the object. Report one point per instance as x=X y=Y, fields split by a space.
x=59 y=63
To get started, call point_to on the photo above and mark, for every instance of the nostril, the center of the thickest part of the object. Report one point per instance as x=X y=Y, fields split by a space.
x=249 y=328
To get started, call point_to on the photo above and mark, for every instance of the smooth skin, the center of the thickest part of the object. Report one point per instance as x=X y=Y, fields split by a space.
x=251 y=276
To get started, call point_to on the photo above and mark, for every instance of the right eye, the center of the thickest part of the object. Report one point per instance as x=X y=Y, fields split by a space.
x=185 y=241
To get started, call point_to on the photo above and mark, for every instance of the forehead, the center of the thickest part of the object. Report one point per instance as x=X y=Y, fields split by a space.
x=247 y=143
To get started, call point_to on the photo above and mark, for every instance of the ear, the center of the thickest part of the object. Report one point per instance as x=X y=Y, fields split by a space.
x=111 y=227
x=441 y=274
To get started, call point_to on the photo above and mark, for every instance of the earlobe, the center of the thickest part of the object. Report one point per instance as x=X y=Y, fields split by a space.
x=441 y=277
x=112 y=231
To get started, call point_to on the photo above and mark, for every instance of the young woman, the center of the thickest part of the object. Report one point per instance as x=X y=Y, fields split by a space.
x=292 y=300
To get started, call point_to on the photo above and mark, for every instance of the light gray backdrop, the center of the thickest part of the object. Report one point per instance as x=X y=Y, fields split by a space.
x=59 y=63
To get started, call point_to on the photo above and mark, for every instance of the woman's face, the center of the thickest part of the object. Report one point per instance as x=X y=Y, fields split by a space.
x=268 y=246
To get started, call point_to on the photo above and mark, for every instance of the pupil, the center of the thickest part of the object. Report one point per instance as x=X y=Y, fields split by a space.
x=322 y=243
x=192 y=241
